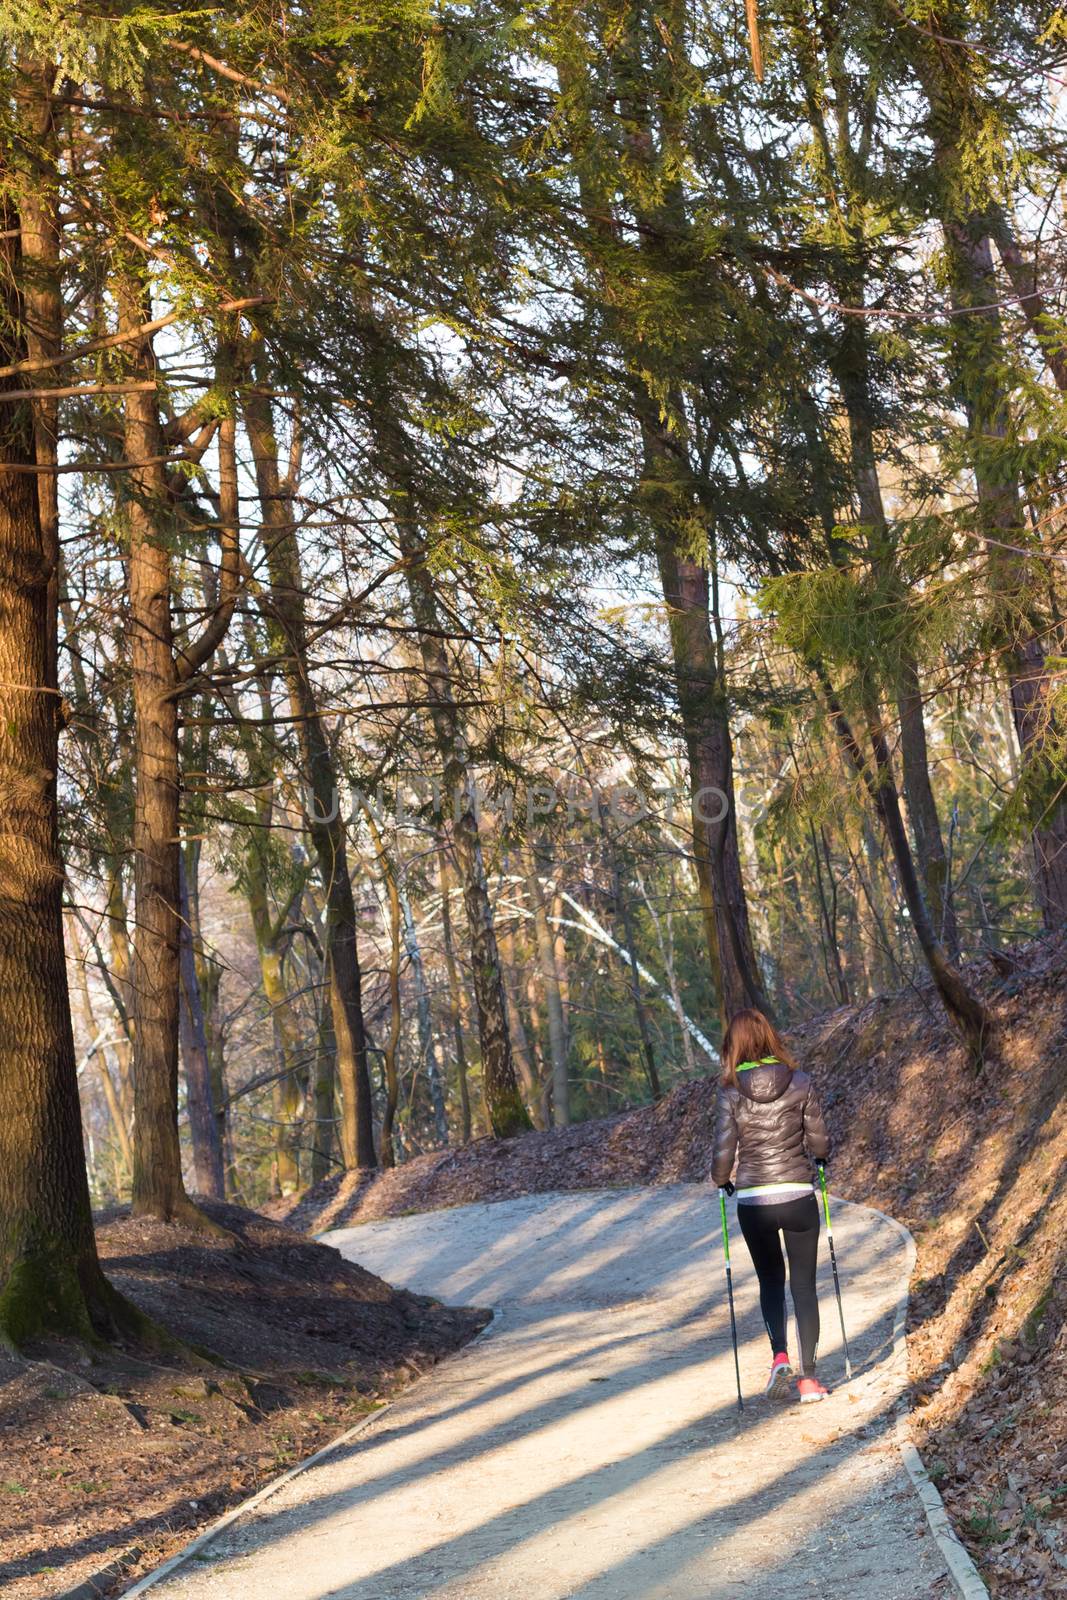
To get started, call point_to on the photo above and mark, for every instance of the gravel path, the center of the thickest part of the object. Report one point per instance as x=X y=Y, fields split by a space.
x=588 y=1445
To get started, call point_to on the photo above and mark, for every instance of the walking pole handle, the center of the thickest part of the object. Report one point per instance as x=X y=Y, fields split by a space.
x=825 y=1198
x=725 y=1228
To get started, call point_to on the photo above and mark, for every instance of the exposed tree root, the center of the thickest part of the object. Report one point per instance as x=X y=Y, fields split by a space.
x=48 y=1295
x=185 y=1212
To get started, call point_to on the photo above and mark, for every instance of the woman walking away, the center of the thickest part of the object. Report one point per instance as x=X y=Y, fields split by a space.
x=767 y=1114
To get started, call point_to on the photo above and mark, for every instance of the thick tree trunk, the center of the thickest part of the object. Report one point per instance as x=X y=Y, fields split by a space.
x=326 y=826
x=50 y=1278
x=845 y=186
x=208 y=1172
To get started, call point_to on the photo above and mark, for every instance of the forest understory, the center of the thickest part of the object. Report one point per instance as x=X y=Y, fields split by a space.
x=112 y=1459
x=973 y=1165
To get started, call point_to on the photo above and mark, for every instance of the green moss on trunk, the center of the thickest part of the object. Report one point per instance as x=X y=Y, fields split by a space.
x=44 y=1294
x=509 y=1116
x=49 y=1293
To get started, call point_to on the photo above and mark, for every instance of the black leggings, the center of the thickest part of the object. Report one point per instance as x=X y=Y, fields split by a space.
x=799 y=1221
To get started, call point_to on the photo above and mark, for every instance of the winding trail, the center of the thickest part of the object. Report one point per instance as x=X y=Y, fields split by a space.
x=588 y=1445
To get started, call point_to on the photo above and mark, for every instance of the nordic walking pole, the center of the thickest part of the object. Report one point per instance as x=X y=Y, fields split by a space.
x=730 y=1294
x=833 y=1263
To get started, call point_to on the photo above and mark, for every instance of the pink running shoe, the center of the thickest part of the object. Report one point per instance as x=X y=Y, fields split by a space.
x=778 y=1382
x=810 y=1389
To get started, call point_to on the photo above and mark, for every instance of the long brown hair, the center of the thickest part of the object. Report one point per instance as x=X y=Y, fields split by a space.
x=750 y=1037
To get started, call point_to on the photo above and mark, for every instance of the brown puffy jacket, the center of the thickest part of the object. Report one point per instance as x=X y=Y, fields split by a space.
x=774 y=1118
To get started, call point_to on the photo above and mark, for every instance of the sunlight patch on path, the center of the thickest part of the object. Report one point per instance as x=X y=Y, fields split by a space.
x=588 y=1447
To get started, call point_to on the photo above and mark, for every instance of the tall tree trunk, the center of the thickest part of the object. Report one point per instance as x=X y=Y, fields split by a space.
x=1046 y=327
x=287 y=1098
x=50 y=1277
x=828 y=921
x=455 y=995
x=922 y=807
x=1030 y=676
x=918 y=791
x=543 y=1074
x=981 y=360
x=427 y=1047
x=507 y=1114
x=208 y=975
x=158 y=1188
x=119 y=978
x=326 y=827
x=392 y=1043
x=558 y=1047
x=963 y=1008
x=40 y=282
x=559 y=955
x=124 y=1161
x=649 y=128
x=640 y=1009
x=325 y=1089
x=846 y=191
x=525 y=1064
x=705 y=721
x=208 y=1172
x=198 y=743
x=391 y=1052
x=666 y=950
x=158 y=671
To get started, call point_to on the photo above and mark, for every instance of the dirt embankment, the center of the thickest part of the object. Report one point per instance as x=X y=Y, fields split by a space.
x=974 y=1165
x=111 y=1459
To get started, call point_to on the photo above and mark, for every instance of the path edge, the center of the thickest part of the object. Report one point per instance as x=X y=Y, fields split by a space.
x=970 y=1585
x=212 y=1531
